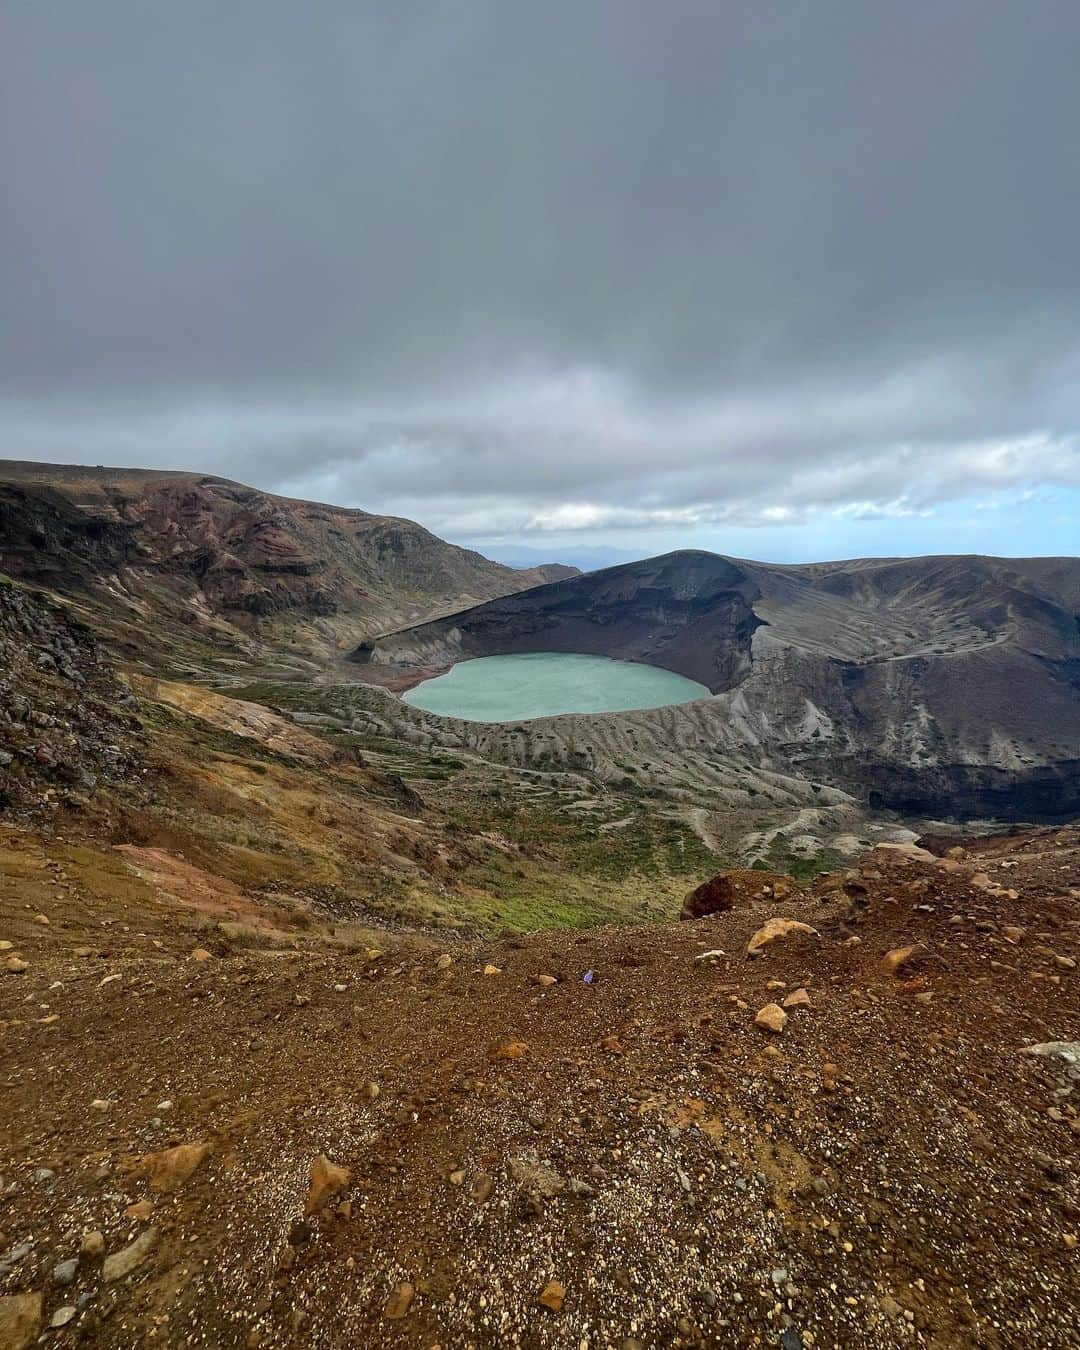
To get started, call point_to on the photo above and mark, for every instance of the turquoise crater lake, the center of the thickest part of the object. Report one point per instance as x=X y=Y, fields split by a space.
x=546 y=684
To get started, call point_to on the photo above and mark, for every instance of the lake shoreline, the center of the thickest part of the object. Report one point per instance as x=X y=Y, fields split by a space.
x=525 y=686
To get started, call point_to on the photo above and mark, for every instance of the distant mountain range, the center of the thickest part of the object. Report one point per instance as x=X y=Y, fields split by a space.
x=583 y=557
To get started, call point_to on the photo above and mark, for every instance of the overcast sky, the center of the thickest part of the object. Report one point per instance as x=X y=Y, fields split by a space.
x=781 y=278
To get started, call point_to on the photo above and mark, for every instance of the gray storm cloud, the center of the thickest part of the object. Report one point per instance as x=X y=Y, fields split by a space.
x=525 y=267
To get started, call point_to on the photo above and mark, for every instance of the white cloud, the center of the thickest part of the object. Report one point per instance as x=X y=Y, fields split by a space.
x=542 y=452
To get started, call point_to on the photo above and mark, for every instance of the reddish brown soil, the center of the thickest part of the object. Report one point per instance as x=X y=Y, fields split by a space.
x=400 y=679
x=891 y=1169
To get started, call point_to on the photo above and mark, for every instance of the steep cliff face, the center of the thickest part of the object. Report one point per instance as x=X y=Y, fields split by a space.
x=240 y=568
x=687 y=612
x=46 y=538
x=940 y=686
x=67 y=724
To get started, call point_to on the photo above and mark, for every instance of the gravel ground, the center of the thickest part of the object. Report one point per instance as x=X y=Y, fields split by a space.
x=625 y=1161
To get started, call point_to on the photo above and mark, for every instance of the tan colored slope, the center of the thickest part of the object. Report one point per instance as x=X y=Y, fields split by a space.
x=251 y=720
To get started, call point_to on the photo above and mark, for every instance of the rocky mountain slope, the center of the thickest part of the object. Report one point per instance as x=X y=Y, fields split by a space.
x=195 y=569
x=67 y=722
x=316 y=784
x=928 y=685
x=236 y=1134
x=357 y=821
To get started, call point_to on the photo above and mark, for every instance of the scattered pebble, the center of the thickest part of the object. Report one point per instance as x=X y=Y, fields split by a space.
x=64 y=1272
x=326 y=1180
x=552 y=1295
x=399 y=1302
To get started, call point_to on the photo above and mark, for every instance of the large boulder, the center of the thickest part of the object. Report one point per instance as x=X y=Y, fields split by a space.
x=768 y=933
x=733 y=889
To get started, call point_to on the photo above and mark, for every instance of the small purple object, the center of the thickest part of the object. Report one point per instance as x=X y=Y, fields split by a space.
x=589 y=976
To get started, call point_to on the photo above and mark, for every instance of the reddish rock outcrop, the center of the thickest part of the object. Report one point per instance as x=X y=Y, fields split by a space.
x=738 y=887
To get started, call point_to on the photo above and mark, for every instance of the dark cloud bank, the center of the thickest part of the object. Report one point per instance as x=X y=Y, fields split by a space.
x=516 y=267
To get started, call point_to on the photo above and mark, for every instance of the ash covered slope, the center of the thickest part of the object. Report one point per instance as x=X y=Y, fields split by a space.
x=229 y=564
x=690 y=612
x=941 y=685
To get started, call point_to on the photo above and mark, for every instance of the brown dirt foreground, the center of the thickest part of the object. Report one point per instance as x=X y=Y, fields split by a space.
x=626 y=1162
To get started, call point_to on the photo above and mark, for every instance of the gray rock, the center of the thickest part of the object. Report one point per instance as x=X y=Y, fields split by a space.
x=126 y=1260
x=62 y=1316
x=1062 y=1059
x=1069 y=1051
x=536 y=1179
x=11 y=1258
x=64 y=1272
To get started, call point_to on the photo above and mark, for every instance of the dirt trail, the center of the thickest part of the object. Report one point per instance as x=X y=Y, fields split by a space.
x=624 y=1161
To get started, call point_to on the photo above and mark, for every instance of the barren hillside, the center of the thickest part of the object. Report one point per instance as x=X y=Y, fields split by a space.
x=925 y=685
x=219 y=1132
x=188 y=568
